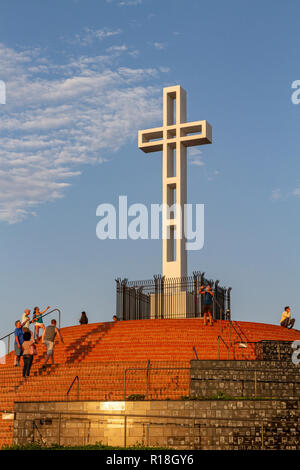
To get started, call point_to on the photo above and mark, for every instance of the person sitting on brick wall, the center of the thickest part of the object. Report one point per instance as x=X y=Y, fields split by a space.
x=286 y=320
x=83 y=319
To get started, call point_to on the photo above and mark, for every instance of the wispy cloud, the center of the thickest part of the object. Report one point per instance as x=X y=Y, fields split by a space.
x=89 y=35
x=276 y=194
x=197 y=161
x=195 y=155
x=61 y=117
x=158 y=45
x=120 y=48
x=296 y=192
x=124 y=3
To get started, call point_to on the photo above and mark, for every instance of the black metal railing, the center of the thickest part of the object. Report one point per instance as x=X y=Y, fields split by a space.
x=195 y=354
x=148 y=373
x=10 y=336
x=225 y=344
x=162 y=297
x=76 y=378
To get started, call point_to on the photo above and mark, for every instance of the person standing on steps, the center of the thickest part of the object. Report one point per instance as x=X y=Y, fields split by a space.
x=208 y=302
x=19 y=338
x=286 y=320
x=28 y=351
x=38 y=320
x=48 y=338
x=26 y=319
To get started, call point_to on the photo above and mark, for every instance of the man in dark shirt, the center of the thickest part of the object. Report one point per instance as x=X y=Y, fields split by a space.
x=208 y=302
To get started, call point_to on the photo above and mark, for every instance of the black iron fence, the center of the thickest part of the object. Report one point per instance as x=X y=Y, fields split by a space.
x=162 y=297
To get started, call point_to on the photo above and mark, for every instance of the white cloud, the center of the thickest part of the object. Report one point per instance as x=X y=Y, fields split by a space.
x=296 y=192
x=125 y=3
x=164 y=69
x=60 y=117
x=197 y=162
x=89 y=35
x=195 y=156
x=159 y=45
x=276 y=194
x=121 y=48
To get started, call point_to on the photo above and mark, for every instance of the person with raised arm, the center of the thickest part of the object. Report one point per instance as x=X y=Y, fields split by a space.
x=208 y=294
x=38 y=320
x=286 y=320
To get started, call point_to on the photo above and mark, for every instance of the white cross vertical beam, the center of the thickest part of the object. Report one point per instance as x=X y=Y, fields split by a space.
x=173 y=138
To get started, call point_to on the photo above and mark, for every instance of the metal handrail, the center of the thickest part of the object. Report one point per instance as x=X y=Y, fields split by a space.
x=195 y=353
x=231 y=324
x=221 y=311
x=147 y=370
x=70 y=388
x=242 y=333
x=224 y=342
x=44 y=315
x=242 y=342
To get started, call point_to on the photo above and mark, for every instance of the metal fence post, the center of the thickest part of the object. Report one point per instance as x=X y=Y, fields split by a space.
x=125 y=430
x=147 y=379
x=59 y=428
x=124 y=384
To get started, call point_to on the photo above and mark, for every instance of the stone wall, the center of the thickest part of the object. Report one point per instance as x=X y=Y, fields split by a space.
x=250 y=379
x=211 y=424
x=276 y=350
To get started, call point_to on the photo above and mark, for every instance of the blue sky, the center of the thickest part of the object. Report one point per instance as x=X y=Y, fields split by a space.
x=82 y=78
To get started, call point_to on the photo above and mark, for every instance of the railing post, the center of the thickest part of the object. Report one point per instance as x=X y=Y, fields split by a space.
x=195 y=275
x=216 y=302
x=147 y=379
x=201 y=296
x=229 y=301
x=59 y=428
x=124 y=384
x=125 y=430
x=162 y=299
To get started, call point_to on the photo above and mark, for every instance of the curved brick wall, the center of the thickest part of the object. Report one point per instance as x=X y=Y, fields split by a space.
x=99 y=353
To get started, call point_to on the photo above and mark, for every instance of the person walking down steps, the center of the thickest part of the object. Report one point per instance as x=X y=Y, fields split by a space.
x=48 y=338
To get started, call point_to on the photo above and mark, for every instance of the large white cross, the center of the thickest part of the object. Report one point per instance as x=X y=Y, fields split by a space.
x=173 y=138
